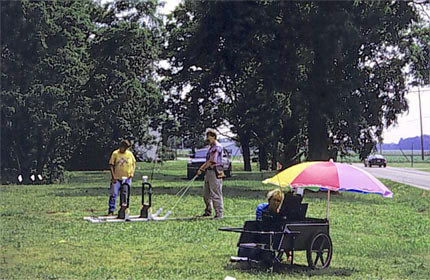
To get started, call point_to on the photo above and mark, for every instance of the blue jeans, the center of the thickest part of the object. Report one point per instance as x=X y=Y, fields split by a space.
x=113 y=193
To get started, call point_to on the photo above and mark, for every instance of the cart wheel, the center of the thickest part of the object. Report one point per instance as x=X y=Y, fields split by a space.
x=320 y=251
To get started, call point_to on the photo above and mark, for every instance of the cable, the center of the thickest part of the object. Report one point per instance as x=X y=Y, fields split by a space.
x=188 y=186
x=155 y=159
x=184 y=189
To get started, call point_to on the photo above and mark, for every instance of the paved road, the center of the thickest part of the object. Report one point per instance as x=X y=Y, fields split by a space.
x=415 y=178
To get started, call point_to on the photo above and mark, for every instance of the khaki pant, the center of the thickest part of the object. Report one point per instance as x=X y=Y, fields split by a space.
x=212 y=193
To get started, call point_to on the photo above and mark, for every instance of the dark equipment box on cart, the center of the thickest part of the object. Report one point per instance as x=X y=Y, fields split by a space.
x=267 y=241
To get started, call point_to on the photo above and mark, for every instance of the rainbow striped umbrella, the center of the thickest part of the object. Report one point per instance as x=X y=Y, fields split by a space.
x=329 y=175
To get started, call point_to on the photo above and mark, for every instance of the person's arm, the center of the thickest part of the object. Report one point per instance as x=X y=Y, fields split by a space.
x=209 y=162
x=259 y=211
x=203 y=167
x=133 y=165
x=112 y=174
x=214 y=156
x=112 y=168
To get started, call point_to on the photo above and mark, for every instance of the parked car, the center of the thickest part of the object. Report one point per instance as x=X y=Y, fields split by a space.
x=197 y=159
x=378 y=160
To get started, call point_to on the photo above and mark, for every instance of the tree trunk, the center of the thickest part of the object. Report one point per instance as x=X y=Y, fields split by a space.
x=275 y=158
x=262 y=157
x=317 y=134
x=291 y=156
x=291 y=145
x=333 y=153
x=244 y=143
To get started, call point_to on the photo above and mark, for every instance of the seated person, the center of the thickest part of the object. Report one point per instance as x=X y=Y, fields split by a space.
x=270 y=213
x=266 y=211
x=270 y=208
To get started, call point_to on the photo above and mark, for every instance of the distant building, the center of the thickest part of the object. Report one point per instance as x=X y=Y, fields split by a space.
x=230 y=146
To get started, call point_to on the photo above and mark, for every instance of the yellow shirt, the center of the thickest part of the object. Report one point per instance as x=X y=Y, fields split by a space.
x=123 y=163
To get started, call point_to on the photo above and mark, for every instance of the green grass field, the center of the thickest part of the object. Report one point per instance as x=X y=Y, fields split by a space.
x=43 y=235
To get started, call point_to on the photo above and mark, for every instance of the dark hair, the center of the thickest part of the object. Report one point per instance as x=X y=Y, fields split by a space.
x=124 y=144
x=211 y=132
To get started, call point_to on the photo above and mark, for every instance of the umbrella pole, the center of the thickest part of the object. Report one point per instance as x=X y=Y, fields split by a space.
x=328 y=205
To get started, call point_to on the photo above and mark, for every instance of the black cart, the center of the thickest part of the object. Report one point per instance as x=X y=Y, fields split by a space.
x=268 y=241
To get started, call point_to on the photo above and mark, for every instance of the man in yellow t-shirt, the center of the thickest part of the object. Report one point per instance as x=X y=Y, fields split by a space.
x=122 y=165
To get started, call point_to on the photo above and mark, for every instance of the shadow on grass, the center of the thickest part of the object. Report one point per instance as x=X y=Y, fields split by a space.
x=86 y=177
x=92 y=176
x=258 y=177
x=289 y=269
x=230 y=192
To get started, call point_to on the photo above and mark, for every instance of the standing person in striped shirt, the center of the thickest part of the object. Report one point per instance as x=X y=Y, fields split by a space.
x=214 y=173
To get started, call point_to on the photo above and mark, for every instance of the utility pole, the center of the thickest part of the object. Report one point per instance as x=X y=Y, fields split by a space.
x=412 y=156
x=421 y=125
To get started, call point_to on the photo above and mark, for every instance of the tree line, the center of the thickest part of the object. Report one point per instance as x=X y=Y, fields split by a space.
x=295 y=79
x=292 y=79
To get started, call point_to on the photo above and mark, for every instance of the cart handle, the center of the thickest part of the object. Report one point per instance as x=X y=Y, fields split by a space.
x=241 y=230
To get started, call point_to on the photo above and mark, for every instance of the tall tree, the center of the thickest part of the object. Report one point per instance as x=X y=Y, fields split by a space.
x=356 y=81
x=43 y=72
x=338 y=66
x=217 y=48
x=191 y=58
x=122 y=90
x=76 y=77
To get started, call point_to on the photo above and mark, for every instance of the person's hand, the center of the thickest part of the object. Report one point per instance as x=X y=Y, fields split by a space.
x=131 y=176
x=199 y=172
x=113 y=180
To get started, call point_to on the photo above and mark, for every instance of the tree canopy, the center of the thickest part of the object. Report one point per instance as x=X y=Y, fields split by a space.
x=316 y=77
x=291 y=79
x=76 y=77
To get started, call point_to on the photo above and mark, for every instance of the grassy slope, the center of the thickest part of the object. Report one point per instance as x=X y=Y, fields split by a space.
x=43 y=234
x=421 y=166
